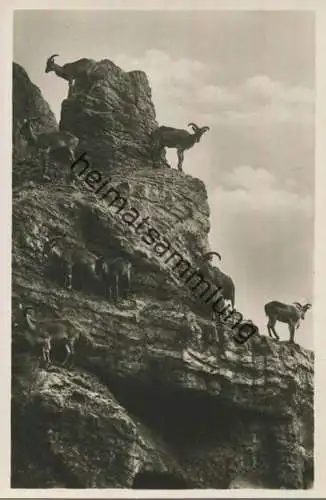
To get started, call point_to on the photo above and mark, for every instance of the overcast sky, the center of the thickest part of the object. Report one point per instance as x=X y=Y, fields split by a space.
x=250 y=77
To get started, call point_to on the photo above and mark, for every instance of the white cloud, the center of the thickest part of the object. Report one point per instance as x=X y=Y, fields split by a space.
x=248 y=189
x=249 y=178
x=162 y=69
x=212 y=94
x=260 y=100
x=189 y=86
x=262 y=85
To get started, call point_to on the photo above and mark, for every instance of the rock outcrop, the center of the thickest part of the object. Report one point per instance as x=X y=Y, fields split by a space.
x=146 y=404
x=112 y=113
x=28 y=102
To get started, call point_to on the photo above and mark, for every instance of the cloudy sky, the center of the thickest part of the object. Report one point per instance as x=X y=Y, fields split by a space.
x=250 y=77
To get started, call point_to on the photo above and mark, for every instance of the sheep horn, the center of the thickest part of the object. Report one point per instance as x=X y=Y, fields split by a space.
x=308 y=305
x=51 y=58
x=194 y=126
x=204 y=129
x=298 y=304
x=208 y=254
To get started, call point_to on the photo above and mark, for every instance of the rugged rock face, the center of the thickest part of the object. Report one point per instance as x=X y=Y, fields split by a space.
x=112 y=113
x=27 y=102
x=147 y=403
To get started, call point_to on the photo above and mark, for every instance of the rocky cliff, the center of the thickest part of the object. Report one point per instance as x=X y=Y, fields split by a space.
x=146 y=404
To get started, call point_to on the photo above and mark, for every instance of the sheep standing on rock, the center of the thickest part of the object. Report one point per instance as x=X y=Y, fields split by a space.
x=179 y=139
x=58 y=261
x=291 y=314
x=115 y=276
x=49 y=332
x=121 y=270
x=103 y=271
x=221 y=279
x=69 y=71
x=72 y=267
x=56 y=147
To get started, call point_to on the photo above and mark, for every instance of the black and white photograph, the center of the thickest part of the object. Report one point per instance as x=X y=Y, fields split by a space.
x=162 y=254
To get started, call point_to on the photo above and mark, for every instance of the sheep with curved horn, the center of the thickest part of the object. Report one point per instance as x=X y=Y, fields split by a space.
x=291 y=314
x=220 y=279
x=59 y=261
x=49 y=331
x=57 y=146
x=121 y=270
x=69 y=71
x=115 y=276
x=75 y=267
x=179 y=139
x=208 y=255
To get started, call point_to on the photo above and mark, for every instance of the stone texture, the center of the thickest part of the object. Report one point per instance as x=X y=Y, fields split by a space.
x=146 y=403
x=28 y=102
x=112 y=112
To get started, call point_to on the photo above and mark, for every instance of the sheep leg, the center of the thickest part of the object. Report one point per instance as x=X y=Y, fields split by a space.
x=125 y=284
x=129 y=280
x=271 y=328
x=68 y=354
x=180 y=158
x=70 y=87
x=292 y=330
x=117 y=287
x=274 y=331
x=72 y=351
x=46 y=355
x=109 y=288
x=45 y=165
x=104 y=285
x=71 y=154
x=68 y=278
x=112 y=287
x=157 y=152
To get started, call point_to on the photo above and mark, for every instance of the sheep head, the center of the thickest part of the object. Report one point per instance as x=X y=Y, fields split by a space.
x=194 y=127
x=209 y=255
x=50 y=63
x=198 y=131
x=298 y=304
x=303 y=309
